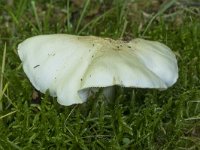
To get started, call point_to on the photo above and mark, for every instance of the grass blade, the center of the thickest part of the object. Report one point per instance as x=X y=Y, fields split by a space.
x=36 y=16
x=95 y=20
x=162 y=9
x=82 y=15
x=2 y=75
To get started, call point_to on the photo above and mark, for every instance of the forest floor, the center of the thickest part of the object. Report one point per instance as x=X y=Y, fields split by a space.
x=136 y=118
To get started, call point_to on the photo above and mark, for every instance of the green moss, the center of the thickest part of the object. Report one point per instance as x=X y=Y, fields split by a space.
x=136 y=119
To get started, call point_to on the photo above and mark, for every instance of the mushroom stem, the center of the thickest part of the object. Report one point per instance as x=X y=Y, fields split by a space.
x=109 y=92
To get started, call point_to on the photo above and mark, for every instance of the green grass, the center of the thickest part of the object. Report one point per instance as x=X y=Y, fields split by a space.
x=135 y=119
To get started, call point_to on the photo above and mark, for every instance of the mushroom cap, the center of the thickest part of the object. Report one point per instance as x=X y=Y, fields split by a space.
x=70 y=66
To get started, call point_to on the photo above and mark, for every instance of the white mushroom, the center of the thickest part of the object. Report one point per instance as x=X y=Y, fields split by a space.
x=70 y=66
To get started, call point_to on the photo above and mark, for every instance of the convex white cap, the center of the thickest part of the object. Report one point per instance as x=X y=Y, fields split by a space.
x=70 y=66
